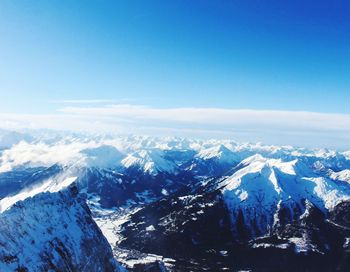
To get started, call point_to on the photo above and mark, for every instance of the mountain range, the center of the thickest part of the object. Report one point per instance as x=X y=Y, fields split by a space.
x=77 y=202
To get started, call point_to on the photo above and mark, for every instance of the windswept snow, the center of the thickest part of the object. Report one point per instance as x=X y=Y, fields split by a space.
x=257 y=182
x=51 y=185
x=53 y=231
x=263 y=176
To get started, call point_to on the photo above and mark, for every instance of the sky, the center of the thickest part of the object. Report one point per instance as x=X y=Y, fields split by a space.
x=270 y=71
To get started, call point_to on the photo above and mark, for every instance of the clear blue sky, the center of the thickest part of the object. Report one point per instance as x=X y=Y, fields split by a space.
x=285 y=55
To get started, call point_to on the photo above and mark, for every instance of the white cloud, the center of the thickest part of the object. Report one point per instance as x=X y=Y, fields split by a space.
x=273 y=127
x=218 y=116
x=83 y=101
x=40 y=154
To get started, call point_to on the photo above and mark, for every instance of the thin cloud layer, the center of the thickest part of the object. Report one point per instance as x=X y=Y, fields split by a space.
x=84 y=101
x=219 y=116
x=272 y=127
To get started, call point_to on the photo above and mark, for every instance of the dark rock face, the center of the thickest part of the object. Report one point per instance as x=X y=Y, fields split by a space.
x=340 y=215
x=194 y=229
x=184 y=218
x=193 y=223
x=53 y=232
x=150 y=267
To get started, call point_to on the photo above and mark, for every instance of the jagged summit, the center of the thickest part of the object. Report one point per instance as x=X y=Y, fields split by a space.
x=150 y=161
x=261 y=186
x=154 y=195
x=53 y=232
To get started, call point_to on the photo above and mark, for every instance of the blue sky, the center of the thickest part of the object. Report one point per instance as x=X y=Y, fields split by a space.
x=258 y=55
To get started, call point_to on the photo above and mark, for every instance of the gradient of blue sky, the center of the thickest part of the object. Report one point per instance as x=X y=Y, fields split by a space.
x=285 y=55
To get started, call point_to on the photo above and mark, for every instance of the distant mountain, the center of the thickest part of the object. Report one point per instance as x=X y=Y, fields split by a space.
x=212 y=161
x=10 y=138
x=177 y=204
x=150 y=161
x=248 y=221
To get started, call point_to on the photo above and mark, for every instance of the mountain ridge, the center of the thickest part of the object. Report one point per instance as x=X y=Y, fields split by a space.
x=152 y=196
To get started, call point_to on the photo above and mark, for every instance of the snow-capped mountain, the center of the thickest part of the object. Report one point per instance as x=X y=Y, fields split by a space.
x=179 y=204
x=249 y=220
x=220 y=152
x=261 y=188
x=150 y=161
x=212 y=161
x=343 y=175
x=10 y=138
x=53 y=232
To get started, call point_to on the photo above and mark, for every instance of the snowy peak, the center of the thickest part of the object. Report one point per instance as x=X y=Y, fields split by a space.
x=53 y=232
x=257 y=162
x=220 y=152
x=163 y=191
x=213 y=160
x=343 y=175
x=52 y=185
x=152 y=154
x=150 y=161
x=262 y=185
x=104 y=156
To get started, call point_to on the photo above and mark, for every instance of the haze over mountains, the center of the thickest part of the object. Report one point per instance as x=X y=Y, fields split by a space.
x=170 y=204
x=174 y=136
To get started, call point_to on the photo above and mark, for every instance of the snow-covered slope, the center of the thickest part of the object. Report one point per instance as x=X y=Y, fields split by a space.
x=51 y=185
x=269 y=213
x=211 y=160
x=103 y=156
x=285 y=172
x=343 y=175
x=150 y=154
x=150 y=161
x=261 y=187
x=53 y=232
x=219 y=152
x=177 y=186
